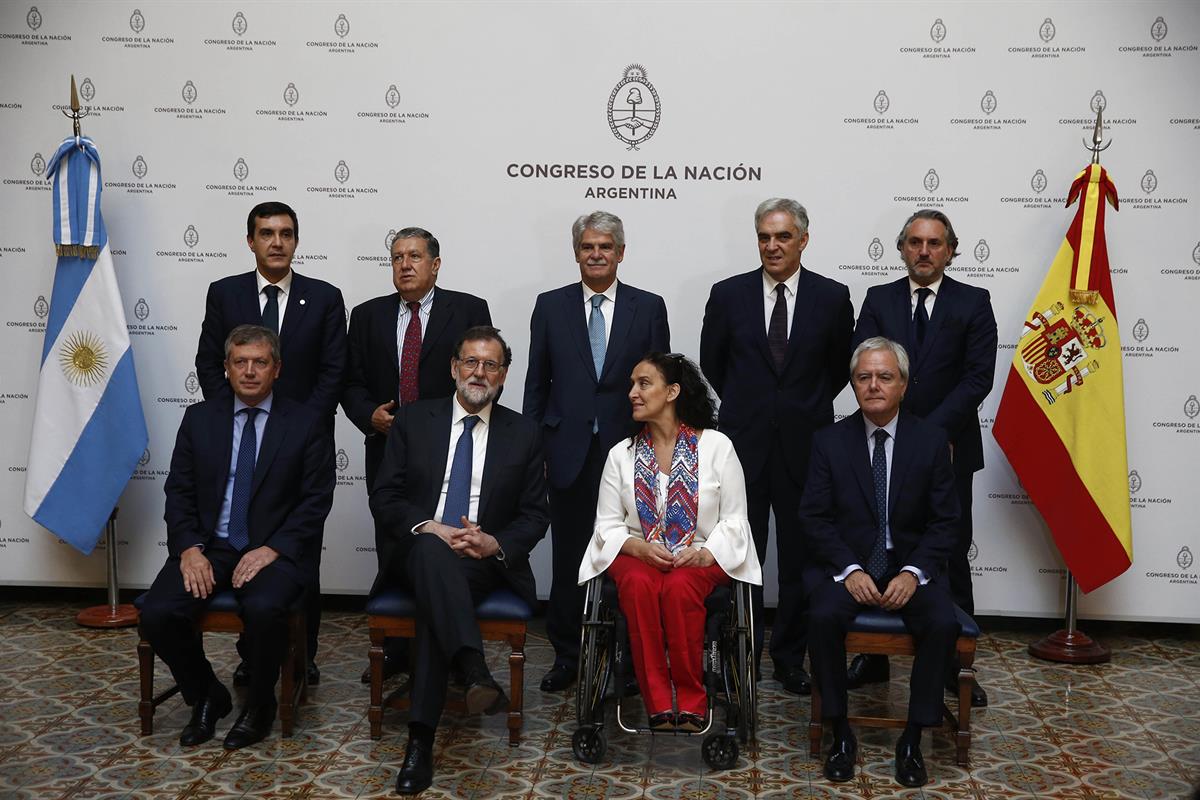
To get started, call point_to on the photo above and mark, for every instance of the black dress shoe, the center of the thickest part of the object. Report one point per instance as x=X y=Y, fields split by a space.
x=416 y=773
x=558 y=678
x=979 y=698
x=910 y=765
x=241 y=675
x=252 y=726
x=484 y=695
x=314 y=674
x=839 y=763
x=794 y=680
x=866 y=669
x=205 y=713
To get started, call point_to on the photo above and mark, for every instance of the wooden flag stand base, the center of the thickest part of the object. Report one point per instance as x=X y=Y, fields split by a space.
x=113 y=615
x=1070 y=645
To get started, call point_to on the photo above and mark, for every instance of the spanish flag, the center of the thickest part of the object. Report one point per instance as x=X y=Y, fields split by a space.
x=1061 y=420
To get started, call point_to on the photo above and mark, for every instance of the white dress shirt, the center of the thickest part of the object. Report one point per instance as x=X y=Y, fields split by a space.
x=789 y=295
x=285 y=288
x=479 y=439
x=422 y=320
x=722 y=524
x=888 y=445
x=929 y=301
x=606 y=307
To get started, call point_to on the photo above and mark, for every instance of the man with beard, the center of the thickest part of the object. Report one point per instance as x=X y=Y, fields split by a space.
x=462 y=493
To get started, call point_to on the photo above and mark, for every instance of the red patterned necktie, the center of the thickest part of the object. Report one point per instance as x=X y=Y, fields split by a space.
x=410 y=359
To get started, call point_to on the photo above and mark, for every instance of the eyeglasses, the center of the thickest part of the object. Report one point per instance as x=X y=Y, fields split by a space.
x=471 y=363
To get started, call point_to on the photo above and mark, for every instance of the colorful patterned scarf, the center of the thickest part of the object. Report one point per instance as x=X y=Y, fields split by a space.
x=674 y=526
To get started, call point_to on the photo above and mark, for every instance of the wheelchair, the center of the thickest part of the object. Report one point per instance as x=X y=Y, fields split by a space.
x=729 y=673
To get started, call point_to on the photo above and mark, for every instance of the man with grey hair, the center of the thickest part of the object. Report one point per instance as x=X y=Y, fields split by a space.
x=774 y=346
x=950 y=330
x=585 y=339
x=879 y=514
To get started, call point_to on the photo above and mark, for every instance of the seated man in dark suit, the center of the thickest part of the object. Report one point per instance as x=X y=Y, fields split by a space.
x=462 y=492
x=879 y=513
x=250 y=486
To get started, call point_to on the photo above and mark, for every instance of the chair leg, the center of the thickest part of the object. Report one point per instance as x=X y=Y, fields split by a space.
x=516 y=697
x=815 y=730
x=962 y=737
x=375 y=659
x=146 y=686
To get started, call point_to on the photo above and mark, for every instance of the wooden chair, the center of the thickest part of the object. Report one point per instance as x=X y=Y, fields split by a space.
x=878 y=632
x=502 y=617
x=221 y=617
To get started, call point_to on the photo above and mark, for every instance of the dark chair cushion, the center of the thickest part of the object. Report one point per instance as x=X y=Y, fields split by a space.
x=500 y=604
x=876 y=620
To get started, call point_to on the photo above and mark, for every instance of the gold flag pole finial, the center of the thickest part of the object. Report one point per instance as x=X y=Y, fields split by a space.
x=76 y=113
x=1097 y=137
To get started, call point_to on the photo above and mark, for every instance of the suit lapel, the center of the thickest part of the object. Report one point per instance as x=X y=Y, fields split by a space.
x=439 y=316
x=903 y=450
x=385 y=331
x=293 y=315
x=497 y=444
x=860 y=461
x=575 y=322
x=220 y=429
x=272 y=437
x=803 y=310
x=623 y=313
x=941 y=308
x=755 y=312
x=247 y=300
x=899 y=311
x=438 y=431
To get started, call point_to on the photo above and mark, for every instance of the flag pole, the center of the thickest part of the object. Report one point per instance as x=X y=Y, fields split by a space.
x=1069 y=645
x=112 y=615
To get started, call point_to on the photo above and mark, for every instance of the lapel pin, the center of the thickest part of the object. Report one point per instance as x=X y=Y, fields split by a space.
x=301 y=301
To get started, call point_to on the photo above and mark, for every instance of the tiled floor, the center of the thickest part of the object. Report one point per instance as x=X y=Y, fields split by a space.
x=69 y=729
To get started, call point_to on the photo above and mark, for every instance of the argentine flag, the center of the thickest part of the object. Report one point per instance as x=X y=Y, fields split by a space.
x=88 y=427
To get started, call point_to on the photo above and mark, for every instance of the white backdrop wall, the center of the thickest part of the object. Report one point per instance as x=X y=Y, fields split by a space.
x=367 y=117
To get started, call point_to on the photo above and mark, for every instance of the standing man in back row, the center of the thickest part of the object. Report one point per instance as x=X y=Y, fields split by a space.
x=949 y=330
x=775 y=346
x=585 y=339
x=309 y=317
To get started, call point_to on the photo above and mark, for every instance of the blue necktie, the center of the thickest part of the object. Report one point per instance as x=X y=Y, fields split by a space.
x=596 y=333
x=877 y=564
x=458 y=491
x=243 y=477
x=270 y=314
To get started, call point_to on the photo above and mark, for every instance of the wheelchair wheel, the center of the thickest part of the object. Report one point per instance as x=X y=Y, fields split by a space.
x=589 y=745
x=720 y=751
x=595 y=664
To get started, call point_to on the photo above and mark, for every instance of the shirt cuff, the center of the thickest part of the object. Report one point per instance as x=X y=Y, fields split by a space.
x=922 y=578
x=845 y=573
x=417 y=528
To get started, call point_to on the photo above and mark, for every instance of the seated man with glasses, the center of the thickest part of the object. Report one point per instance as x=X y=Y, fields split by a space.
x=462 y=494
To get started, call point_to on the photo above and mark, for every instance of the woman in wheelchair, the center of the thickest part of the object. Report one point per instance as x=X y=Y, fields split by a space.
x=670 y=526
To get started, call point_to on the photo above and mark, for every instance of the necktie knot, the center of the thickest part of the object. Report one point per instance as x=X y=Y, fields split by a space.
x=469 y=422
x=923 y=294
x=597 y=301
x=779 y=291
x=414 y=307
x=880 y=437
x=271 y=290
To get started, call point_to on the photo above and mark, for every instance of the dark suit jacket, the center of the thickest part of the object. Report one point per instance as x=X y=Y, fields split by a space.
x=759 y=403
x=312 y=339
x=512 y=501
x=562 y=390
x=952 y=373
x=837 y=511
x=373 y=372
x=293 y=481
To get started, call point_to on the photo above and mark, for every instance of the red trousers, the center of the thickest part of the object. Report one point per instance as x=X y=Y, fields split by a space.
x=656 y=602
